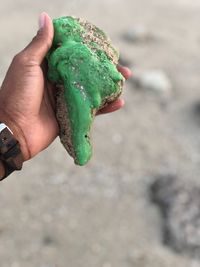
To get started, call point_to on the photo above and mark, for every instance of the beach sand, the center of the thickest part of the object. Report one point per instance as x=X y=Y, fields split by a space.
x=55 y=214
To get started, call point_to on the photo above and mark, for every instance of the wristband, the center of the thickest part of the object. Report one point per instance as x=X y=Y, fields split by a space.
x=10 y=152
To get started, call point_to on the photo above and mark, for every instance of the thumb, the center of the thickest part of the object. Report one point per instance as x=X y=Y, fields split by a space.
x=42 y=42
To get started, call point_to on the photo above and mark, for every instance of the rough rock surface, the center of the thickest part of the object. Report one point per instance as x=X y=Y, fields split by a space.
x=82 y=63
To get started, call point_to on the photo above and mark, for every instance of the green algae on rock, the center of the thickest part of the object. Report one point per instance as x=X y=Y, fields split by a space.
x=82 y=63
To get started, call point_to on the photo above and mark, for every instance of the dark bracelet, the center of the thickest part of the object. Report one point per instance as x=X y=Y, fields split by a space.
x=10 y=153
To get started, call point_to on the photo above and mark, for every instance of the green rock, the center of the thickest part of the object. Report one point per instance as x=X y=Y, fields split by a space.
x=82 y=63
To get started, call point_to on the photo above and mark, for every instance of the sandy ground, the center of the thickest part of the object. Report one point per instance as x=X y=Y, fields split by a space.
x=54 y=214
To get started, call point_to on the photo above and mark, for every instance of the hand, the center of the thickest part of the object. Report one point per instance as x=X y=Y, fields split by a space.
x=26 y=97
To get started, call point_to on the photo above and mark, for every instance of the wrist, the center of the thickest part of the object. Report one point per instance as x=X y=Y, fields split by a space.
x=11 y=158
x=2 y=170
x=17 y=133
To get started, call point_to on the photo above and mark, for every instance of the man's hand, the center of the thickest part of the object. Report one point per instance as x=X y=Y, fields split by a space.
x=26 y=97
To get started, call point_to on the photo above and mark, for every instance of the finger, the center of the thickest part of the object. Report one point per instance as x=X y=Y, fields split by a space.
x=42 y=42
x=126 y=72
x=113 y=106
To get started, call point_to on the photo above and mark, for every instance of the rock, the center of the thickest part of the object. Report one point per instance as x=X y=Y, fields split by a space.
x=117 y=139
x=48 y=240
x=196 y=112
x=180 y=207
x=138 y=33
x=88 y=84
x=153 y=80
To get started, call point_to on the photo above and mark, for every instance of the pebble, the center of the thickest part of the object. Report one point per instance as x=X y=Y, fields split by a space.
x=152 y=80
x=179 y=202
x=48 y=240
x=196 y=112
x=138 y=33
x=117 y=139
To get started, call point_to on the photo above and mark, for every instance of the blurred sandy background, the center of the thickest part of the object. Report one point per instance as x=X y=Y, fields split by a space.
x=54 y=214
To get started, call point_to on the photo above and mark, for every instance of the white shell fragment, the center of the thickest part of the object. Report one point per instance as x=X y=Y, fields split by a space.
x=154 y=80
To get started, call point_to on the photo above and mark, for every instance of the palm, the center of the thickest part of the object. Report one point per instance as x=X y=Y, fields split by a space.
x=40 y=127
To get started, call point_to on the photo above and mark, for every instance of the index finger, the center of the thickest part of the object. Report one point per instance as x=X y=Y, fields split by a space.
x=126 y=72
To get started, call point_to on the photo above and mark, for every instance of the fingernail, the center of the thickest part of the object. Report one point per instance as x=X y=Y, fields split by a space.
x=42 y=19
